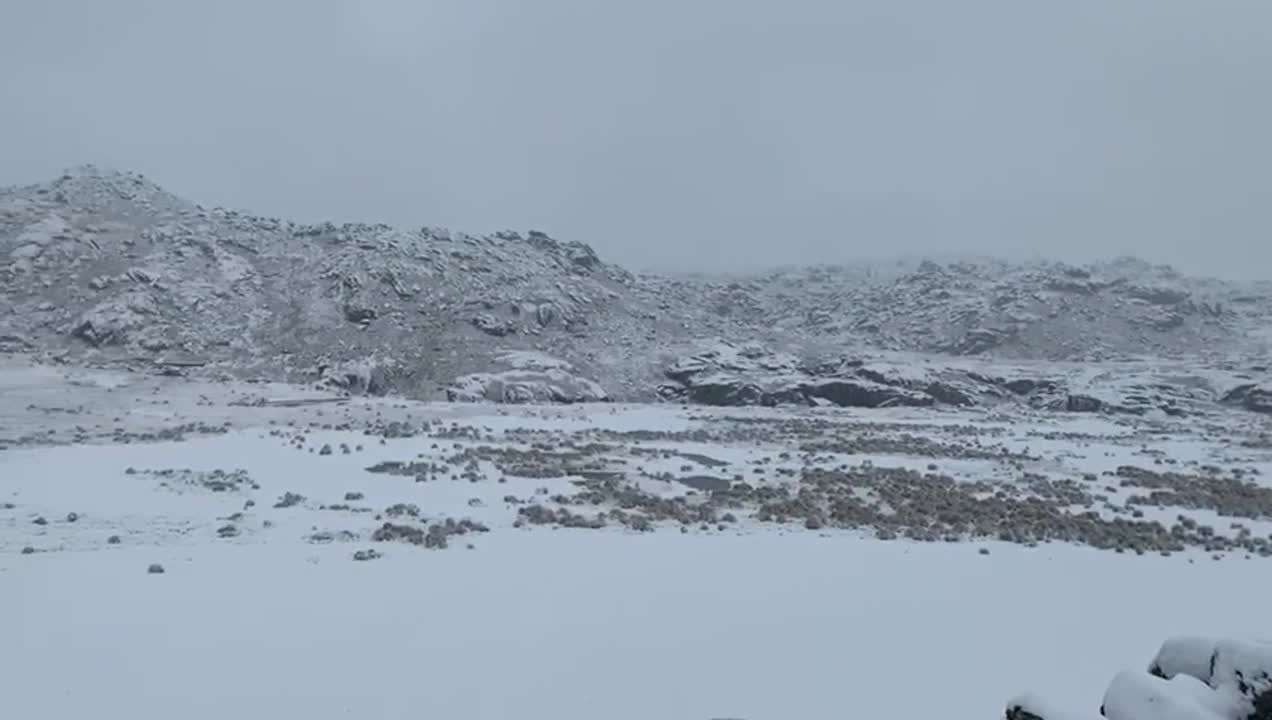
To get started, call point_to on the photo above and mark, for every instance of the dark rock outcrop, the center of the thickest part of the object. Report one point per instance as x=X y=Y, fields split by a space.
x=1251 y=396
x=849 y=392
x=739 y=375
x=749 y=375
x=1083 y=403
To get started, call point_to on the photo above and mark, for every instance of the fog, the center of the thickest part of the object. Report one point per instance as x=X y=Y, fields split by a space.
x=680 y=134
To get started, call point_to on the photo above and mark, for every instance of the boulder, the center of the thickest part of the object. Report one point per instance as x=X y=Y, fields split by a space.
x=118 y=321
x=724 y=389
x=1032 y=707
x=527 y=378
x=1184 y=655
x=366 y=376
x=1251 y=396
x=1083 y=403
x=492 y=325
x=1025 y=386
x=1190 y=678
x=949 y=394
x=1135 y=695
x=846 y=392
x=359 y=314
x=1239 y=672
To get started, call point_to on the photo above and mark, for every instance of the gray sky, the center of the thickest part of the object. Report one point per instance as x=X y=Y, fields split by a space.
x=690 y=134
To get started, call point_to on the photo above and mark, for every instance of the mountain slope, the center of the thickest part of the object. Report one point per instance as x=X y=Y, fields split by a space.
x=107 y=266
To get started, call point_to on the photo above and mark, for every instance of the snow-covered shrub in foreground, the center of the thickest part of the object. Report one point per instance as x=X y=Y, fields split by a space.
x=1190 y=678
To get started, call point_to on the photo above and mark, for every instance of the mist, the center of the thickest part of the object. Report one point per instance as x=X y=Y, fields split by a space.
x=680 y=135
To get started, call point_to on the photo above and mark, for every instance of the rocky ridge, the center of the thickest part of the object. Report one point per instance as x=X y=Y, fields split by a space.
x=104 y=267
x=725 y=374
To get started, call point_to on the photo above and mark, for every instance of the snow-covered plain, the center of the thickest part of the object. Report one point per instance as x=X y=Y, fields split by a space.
x=755 y=620
x=572 y=624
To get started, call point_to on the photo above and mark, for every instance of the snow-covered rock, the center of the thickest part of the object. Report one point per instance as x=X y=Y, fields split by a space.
x=527 y=378
x=1136 y=695
x=1184 y=655
x=1251 y=396
x=367 y=375
x=1029 y=706
x=739 y=375
x=105 y=265
x=1245 y=668
x=1190 y=678
x=729 y=375
x=750 y=375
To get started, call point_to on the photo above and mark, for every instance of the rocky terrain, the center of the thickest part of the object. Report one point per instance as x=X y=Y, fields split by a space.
x=502 y=449
x=375 y=470
x=107 y=268
x=1189 y=677
x=519 y=536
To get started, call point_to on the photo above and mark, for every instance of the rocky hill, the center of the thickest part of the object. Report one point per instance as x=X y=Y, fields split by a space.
x=1023 y=311
x=101 y=266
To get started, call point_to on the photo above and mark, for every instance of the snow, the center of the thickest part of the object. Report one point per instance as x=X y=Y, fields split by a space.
x=1134 y=695
x=1184 y=655
x=543 y=623
x=755 y=621
x=571 y=625
x=1243 y=666
x=1041 y=707
x=32 y=241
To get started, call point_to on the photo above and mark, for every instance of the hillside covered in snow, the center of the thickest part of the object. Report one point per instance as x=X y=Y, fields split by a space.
x=105 y=267
x=263 y=452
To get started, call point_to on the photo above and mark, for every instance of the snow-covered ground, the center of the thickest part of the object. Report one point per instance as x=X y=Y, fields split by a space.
x=572 y=624
x=746 y=619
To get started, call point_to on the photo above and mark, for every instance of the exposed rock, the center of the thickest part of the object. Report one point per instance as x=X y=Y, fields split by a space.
x=360 y=315
x=1251 y=396
x=977 y=341
x=1082 y=403
x=1159 y=295
x=492 y=325
x=105 y=266
x=530 y=378
x=367 y=375
x=1027 y=386
x=748 y=375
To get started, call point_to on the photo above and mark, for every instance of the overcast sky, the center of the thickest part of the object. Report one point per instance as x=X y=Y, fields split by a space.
x=692 y=134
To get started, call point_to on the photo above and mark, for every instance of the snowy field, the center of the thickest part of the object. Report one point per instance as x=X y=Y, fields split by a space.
x=262 y=611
